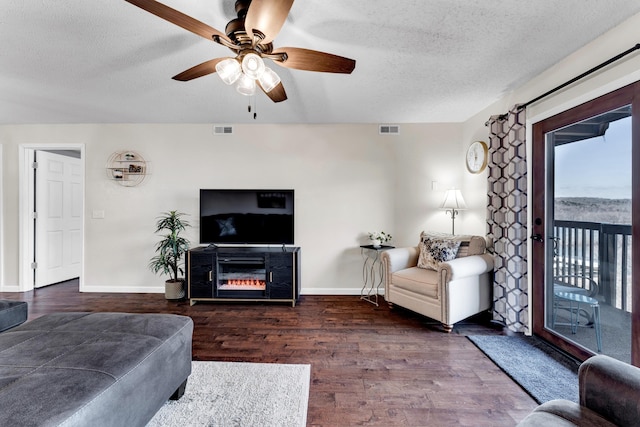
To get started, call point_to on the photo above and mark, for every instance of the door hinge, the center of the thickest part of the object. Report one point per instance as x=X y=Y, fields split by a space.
x=34 y=165
x=34 y=215
x=34 y=265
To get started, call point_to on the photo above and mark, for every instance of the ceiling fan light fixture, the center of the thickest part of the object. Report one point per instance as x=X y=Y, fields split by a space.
x=229 y=70
x=269 y=79
x=246 y=85
x=252 y=65
x=250 y=36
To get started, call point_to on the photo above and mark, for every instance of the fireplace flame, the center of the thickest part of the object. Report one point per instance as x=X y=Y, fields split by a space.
x=249 y=282
x=244 y=284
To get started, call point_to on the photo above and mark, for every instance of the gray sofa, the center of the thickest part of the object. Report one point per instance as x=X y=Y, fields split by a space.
x=609 y=396
x=92 y=369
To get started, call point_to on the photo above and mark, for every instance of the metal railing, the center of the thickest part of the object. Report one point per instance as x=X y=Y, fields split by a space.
x=598 y=251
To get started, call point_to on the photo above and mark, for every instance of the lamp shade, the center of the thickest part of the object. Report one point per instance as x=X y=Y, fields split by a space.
x=246 y=85
x=228 y=70
x=269 y=79
x=252 y=65
x=453 y=200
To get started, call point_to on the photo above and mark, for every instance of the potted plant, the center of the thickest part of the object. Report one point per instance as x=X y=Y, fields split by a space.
x=169 y=253
x=378 y=238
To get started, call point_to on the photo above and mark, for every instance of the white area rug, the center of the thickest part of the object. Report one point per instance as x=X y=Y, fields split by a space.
x=235 y=394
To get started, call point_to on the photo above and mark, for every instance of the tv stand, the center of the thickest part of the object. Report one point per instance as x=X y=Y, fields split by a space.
x=224 y=274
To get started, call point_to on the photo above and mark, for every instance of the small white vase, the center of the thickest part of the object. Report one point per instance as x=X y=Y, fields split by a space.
x=375 y=243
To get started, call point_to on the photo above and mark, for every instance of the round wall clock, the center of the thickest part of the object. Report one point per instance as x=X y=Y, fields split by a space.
x=477 y=156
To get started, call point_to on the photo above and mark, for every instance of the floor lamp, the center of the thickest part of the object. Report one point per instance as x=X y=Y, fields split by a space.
x=453 y=202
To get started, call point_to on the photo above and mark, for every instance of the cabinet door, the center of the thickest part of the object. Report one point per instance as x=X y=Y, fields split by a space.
x=201 y=269
x=281 y=269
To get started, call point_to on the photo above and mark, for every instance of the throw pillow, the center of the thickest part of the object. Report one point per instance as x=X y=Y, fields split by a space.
x=435 y=249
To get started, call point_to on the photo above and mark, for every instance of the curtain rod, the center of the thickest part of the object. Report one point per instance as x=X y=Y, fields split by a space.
x=575 y=79
x=581 y=76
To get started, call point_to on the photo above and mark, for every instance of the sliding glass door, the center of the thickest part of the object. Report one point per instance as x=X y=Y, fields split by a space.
x=585 y=297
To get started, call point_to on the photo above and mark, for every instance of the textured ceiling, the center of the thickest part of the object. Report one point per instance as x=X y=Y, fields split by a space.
x=79 y=61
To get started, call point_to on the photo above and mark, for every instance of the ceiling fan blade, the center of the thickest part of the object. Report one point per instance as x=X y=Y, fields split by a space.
x=313 y=60
x=199 y=70
x=267 y=17
x=277 y=94
x=178 y=18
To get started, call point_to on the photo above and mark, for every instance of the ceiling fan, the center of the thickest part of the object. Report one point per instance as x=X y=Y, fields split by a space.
x=250 y=37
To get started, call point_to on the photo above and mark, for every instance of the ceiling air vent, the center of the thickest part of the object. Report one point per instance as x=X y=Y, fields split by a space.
x=222 y=130
x=389 y=129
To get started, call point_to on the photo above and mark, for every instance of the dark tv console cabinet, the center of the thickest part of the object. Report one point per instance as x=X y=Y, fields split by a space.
x=243 y=274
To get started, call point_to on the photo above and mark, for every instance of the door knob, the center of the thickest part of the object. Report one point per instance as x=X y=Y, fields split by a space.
x=537 y=237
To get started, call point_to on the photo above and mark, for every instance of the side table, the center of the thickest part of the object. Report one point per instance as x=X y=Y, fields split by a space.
x=372 y=272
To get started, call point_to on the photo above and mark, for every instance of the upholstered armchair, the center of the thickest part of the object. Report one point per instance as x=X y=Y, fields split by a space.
x=441 y=283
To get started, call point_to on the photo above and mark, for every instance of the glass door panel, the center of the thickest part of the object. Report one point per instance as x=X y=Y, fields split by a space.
x=587 y=243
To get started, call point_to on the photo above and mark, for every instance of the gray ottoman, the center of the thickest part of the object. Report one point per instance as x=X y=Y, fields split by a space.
x=12 y=313
x=92 y=369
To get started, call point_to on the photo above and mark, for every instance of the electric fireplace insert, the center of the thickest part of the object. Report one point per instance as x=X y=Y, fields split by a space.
x=242 y=277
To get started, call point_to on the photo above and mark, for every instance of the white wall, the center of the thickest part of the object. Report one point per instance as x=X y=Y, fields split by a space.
x=1 y=222
x=346 y=178
x=428 y=154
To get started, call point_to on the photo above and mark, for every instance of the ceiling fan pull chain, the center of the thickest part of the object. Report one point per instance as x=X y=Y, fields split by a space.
x=255 y=108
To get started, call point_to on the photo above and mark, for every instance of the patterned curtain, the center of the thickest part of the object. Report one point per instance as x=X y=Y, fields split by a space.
x=507 y=218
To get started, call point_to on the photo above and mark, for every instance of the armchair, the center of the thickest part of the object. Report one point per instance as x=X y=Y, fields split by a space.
x=452 y=291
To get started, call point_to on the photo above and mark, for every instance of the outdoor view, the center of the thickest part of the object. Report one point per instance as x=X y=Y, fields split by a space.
x=593 y=177
x=592 y=234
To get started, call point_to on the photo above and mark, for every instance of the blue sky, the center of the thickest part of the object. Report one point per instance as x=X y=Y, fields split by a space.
x=596 y=167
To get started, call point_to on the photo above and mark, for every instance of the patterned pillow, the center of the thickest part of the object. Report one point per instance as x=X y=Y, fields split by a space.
x=436 y=248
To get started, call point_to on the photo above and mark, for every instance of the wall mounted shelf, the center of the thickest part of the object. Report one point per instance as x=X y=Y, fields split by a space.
x=127 y=168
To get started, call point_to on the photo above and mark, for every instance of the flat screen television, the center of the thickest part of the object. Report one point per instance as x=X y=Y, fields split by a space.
x=246 y=216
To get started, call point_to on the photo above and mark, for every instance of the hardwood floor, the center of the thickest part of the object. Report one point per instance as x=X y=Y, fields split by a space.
x=369 y=365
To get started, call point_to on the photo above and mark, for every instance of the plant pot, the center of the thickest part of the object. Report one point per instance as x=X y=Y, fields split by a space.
x=174 y=289
x=376 y=243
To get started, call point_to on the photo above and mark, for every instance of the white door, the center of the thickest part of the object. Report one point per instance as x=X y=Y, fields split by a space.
x=58 y=223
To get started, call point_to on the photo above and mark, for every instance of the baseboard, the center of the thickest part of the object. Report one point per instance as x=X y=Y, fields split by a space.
x=331 y=291
x=124 y=289
x=160 y=290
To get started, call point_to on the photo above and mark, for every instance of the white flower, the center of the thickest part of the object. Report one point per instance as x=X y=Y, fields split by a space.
x=380 y=235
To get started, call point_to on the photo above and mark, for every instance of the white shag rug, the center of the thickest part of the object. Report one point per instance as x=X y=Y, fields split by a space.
x=238 y=394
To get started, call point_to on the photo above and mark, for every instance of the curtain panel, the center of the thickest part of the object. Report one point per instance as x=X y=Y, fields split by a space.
x=507 y=218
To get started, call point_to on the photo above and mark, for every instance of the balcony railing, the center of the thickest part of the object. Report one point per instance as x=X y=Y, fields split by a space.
x=598 y=251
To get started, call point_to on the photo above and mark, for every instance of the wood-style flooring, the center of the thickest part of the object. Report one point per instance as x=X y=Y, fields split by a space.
x=370 y=365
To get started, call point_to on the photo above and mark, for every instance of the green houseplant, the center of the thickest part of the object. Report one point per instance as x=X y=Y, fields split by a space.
x=170 y=251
